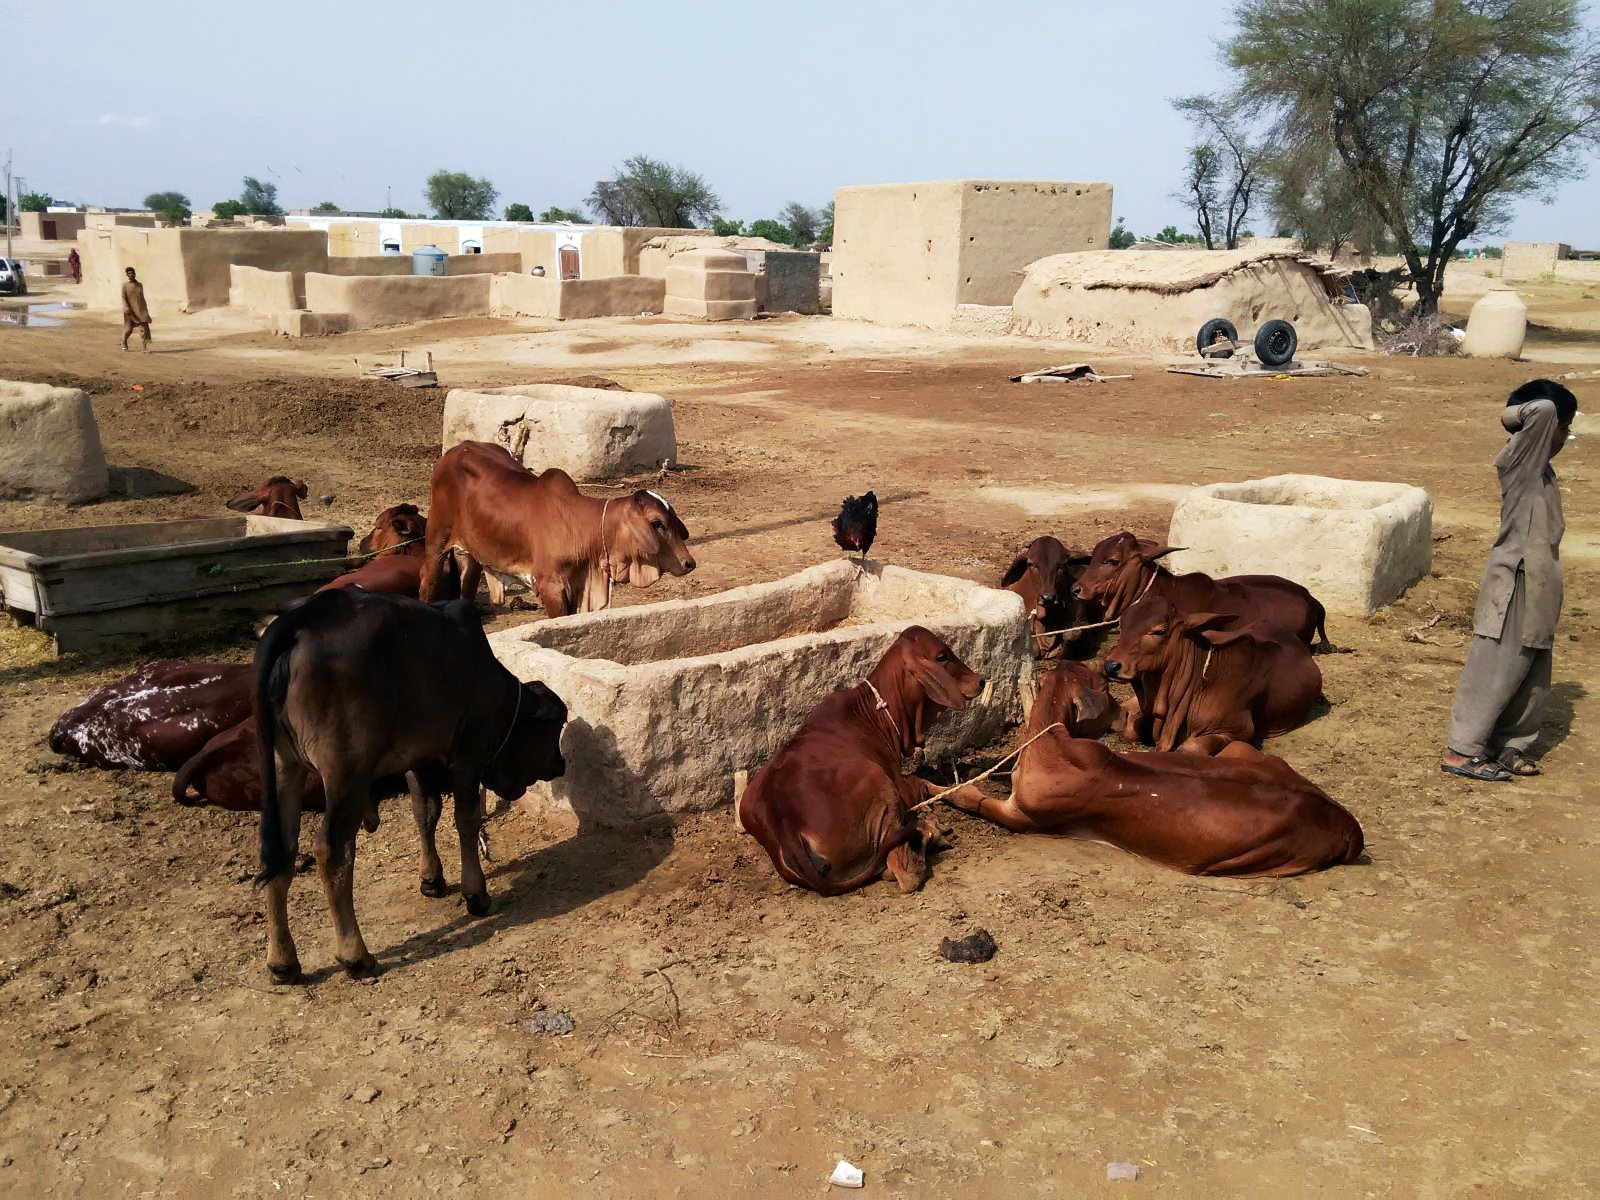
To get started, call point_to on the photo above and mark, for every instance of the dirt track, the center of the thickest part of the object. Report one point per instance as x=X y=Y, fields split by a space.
x=1419 y=1025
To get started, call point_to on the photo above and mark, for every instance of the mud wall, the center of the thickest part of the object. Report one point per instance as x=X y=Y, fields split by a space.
x=1006 y=226
x=266 y=293
x=575 y=299
x=371 y=301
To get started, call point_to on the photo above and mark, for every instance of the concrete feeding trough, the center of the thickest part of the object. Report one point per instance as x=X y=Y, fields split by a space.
x=110 y=583
x=1356 y=545
x=667 y=701
x=590 y=433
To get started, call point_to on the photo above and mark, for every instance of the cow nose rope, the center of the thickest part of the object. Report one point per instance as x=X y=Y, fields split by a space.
x=888 y=716
x=605 y=552
x=949 y=791
x=510 y=729
x=1098 y=624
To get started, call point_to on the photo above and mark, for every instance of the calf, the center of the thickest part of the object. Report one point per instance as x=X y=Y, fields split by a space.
x=1198 y=685
x=832 y=808
x=399 y=529
x=353 y=686
x=1044 y=575
x=1240 y=813
x=155 y=718
x=1123 y=570
x=279 y=496
x=568 y=547
x=394 y=574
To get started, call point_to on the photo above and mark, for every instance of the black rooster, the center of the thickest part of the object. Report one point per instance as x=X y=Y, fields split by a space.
x=856 y=525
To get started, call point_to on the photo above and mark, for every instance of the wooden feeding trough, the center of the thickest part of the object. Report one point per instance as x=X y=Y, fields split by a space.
x=105 y=583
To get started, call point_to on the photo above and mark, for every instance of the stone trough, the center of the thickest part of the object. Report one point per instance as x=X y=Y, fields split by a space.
x=1356 y=545
x=590 y=433
x=667 y=701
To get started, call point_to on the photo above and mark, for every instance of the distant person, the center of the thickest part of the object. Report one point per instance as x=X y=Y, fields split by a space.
x=75 y=265
x=135 y=312
x=1500 y=700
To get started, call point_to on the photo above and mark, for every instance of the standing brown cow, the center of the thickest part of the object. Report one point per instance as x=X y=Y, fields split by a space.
x=1203 y=679
x=1240 y=813
x=1123 y=570
x=279 y=496
x=570 y=548
x=831 y=807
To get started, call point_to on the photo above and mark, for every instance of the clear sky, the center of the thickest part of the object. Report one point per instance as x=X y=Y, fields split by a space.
x=339 y=100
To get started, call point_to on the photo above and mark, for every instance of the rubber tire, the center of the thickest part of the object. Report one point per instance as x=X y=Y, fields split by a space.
x=1276 y=342
x=1208 y=333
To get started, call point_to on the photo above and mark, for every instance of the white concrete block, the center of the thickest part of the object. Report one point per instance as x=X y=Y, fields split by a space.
x=668 y=703
x=1356 y=545
x=49 y=445
x=590 y=433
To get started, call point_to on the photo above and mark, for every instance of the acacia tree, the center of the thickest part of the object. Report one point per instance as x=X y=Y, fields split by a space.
x=646 y=191
x=173 y=206
x=1441 y=111
x=1225 y=169
x=1311 y=197
x=803 y=223
x=259 y=199
x=457 y=196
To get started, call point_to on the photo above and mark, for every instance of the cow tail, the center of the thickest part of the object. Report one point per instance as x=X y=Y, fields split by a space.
x=186 y=774
x=271 y=687
x=806 y=869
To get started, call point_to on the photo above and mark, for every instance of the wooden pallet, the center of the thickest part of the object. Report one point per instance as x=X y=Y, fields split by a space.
x=1237 y=369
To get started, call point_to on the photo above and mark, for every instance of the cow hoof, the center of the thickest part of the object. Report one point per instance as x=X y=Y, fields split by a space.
x=433 y=887
x=478 y=906
x=285 y=976
x=362 y=968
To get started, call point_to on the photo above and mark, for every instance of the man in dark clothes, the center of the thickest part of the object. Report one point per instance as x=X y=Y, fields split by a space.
x=1500 y=700
x=75 y=265
x=135 y=313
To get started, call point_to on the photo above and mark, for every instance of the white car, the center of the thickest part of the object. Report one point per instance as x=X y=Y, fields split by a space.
x=11 y=277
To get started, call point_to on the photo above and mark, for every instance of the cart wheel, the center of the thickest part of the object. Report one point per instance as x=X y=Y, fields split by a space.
x=1275 y=343
x=1218 y=329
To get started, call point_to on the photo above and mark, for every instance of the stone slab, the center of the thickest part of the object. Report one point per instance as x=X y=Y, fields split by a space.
x=49 y=445
x=710 y=310
x=589 y=433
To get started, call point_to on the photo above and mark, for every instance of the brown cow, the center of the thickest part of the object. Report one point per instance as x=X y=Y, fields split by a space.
x=568 y=547
x=1201 y=680
x=831 y=807
x=355 y=686
x=155 y=718
x=1123 y=569
x=1240 y=813
x=279 y=496
x=398 y=529
x=396 y=574
x=1043 y=575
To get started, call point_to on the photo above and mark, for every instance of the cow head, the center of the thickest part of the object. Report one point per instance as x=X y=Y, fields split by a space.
x=1119 y=571
x=919 y=678
x=224 y=772
x=279 y=496
x=1072 y=696
x=532 y=749
x=1153 y=634
x=1043 y=575
x=399 y=528
x=644 y=539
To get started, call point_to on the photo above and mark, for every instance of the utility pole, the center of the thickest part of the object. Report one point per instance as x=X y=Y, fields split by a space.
x=11 y=205
x=388 y=197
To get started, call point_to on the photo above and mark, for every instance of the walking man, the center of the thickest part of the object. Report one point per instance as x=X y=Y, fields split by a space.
x=135 y=313
x=1500 y=700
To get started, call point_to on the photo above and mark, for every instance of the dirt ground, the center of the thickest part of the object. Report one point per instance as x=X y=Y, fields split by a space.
x=1420 y=1025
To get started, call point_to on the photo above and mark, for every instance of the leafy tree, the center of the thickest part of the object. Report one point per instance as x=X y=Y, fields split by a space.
x=649 y=192
x=395 y=214
x=518 y=212
x=825 y=234
x=1171 y=236
x=1122 y=237
x=1494 y=251
x=327 y=206
x=457 y=196
x=803 y=223
x=173 y=206
x=227 y=210
x=724 y=228
x=260 y=199
x=1225 y=167
x=572 y=215
x=773 y=231
x=1313 y=197
x=34 y=202
x=1441 y=111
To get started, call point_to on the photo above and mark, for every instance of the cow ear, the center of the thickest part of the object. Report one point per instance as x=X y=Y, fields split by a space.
x=1203 y=621
x=936 y=683
x=302 y=490
x=1017 y=569
x=245 y=501
x=1090 y=704
x=1225 y=637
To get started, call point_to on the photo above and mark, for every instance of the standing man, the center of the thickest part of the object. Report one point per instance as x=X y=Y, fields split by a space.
x=135 y=313
x=75 y=265
x=1500 y=701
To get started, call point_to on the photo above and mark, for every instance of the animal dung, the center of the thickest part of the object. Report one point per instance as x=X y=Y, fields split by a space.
x=548 y=1022
x=976 y=947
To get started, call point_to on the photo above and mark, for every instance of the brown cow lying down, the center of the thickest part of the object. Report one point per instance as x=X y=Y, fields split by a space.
x=568 y=547
x=279 y=496
x=394 y=574
x=398 y=529
x=1123 y=570
x=831 y=807
x=1240 y=813
x=155 y=718
x=1204 y=679
x=1044 y=575
x=354 y=686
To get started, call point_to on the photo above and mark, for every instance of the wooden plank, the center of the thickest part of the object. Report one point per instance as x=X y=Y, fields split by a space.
x=49 y=543
x=190 y=617
x=296 y=533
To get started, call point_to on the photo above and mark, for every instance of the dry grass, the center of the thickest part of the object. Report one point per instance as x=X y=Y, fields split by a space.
x=1422 y=337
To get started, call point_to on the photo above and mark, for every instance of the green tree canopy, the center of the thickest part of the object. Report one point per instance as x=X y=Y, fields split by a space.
x=803 y=223
x=773 y=231
x=327 y=206
x=260 y=199
x=227 y=210
x=518 y=212
x=648 y=192
x=1441 y=112
x=34 y=202
x=395 y=214
x=1121 y=236
x=573 y=215
x=173 y=206
x=725 y=228
x=457 y=196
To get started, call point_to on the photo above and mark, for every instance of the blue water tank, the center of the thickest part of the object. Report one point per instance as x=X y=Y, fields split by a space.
x=428 y=260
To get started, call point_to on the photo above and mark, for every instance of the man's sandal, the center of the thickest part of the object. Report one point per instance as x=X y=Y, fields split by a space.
x=1519 y=763
x=1480 y=767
